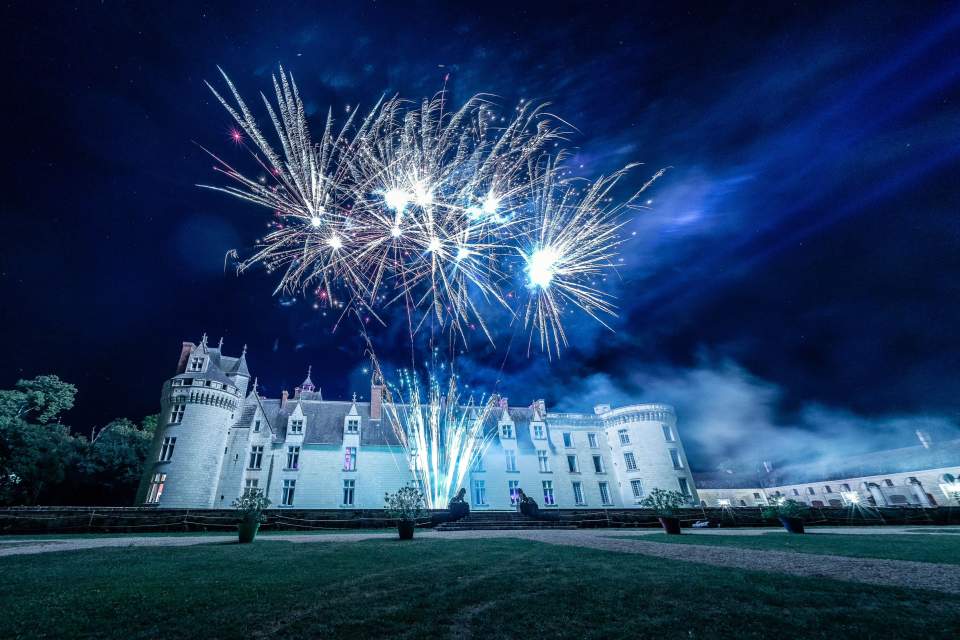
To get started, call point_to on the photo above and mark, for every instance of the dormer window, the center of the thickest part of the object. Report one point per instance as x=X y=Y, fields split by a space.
x=256 y=426
x=353 y=425
x=296 y=426
x=506 y=431
x=538 y=431
x=196 y=363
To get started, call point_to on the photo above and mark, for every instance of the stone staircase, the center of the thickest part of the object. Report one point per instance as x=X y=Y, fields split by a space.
x=508 y=520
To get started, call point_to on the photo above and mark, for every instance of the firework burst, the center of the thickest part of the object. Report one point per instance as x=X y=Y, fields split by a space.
x=435 y=209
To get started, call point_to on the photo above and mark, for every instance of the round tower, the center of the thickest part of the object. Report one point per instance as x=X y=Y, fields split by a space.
x=646 y=450
x=197 y=408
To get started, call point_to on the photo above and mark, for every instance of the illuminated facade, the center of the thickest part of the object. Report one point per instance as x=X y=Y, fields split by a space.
x=218 y=437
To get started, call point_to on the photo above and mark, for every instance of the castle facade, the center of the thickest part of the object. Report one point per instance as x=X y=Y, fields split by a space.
x=218 y=437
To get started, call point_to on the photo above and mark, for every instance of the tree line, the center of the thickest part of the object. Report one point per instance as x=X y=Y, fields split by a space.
x=43 y=463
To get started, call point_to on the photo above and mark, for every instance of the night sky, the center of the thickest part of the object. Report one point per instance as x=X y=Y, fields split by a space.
x=794 y=287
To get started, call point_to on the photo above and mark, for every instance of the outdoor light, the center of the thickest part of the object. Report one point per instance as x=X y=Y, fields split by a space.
x=850 y=497
x=723 y=503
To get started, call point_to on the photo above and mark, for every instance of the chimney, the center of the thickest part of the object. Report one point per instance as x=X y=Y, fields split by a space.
x=376 y=400
x=184 y=356
x=283 y=400
x=296 y=392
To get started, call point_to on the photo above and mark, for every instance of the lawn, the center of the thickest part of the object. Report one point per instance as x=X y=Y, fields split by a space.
x=437 y=588
x=927 y=548
x=229 y=533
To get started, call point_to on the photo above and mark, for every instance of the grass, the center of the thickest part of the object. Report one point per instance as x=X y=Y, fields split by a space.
x=930 y=548
x=44 y=537
x=438 y=588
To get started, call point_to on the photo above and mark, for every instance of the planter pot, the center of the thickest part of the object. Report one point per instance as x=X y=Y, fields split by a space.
x=792 y=525
x=670 y=524
x=247 y=530
x=405 y=529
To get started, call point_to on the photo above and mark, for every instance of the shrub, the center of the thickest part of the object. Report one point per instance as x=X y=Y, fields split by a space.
x=405 y=504
x=664 y=502
x=251 y=505
x=785 y=509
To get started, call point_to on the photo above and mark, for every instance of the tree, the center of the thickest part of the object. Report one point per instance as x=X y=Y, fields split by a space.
x=42 y=399
x=33 y=459
x=112 y=463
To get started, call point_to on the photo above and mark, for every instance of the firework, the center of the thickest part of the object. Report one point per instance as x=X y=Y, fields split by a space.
x=443 y=434
x=439 y=210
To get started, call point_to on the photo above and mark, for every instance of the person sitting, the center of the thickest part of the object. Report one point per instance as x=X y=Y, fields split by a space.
x=528 y=506
x=458 y=506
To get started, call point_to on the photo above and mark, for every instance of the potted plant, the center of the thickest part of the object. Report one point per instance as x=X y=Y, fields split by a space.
x=665 y=503
x=789 y=512
x=406 y=506
x=251 y=506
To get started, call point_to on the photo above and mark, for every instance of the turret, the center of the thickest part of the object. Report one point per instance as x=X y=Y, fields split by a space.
x=197 y=408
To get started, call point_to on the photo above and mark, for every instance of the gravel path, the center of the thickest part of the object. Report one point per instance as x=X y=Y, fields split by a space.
x=897 y=573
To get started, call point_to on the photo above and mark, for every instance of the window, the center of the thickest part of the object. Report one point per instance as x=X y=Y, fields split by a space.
x=256 y=457
x=811 y=491
x=479 y=492
x=684 y=487
x=796 y=492
x=675 y=458
x=624 y=436
x=756 y=496
x=846 y=487
x=176 y=413
x=573 y=465
x=888 y=482
x=250 y=486
x=196 y=363
x=668 y=433
x=548 y=498
x=506 y=431
x=538 y=431
x=350 y=459
x=578 y=493
x=637 y=487
x=598 y=464
x=353 y=425
x=743 y=503
x=513 y=486
x=166 y=450
x=511 y=459
x=723 y=502
x=256 y=426
x=630 y=460
x=605 y=493
x=567 y=439
x=296 y=426
x=543 y=460
x=286 y=496
x=156 y=488
x=592 y=440
x=293 y=457
x=349 y=486
x=827 y=489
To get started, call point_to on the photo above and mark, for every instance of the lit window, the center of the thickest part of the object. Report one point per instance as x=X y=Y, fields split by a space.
x=293 y=457
x=605 y=493
x=156 y=488
x=567 y=439
x=538 y=431
x=598 y=464
x=637 y=487
x=506 y=431
x=286 y=496
x=723 y=502
x=296 y=426
x=256 y=457
x=624 y=436
x=548 y=498
x=480 y=492
x=349 y=487
x=353 y=425
x=684 y=487
x=196 y=363
x=578 y=493
x=350 y=459
x=256 y=426
x=573 y=465
x=668 y=433
x=592 y=440
x=250 y=486
x=630 y=460
x=543 y=460
x=166 y=450
x=511 y=456
x=675 y=458
x=513 y=486
x=176 y=413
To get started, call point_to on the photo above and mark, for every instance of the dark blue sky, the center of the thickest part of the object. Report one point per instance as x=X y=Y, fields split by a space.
x=797 y=272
